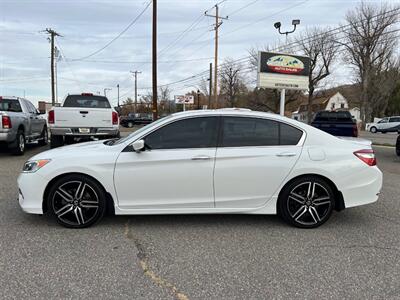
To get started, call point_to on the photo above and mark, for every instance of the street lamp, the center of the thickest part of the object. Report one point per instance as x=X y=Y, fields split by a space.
x=105 y=91
x=278 y=25
x=198 y=99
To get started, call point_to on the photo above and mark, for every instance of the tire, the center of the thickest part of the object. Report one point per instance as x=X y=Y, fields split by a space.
x=56 y=141
x=373 y=129
x=130 y=124
x=398 y=146
x=18 y=147
x=69 y=140
x=44 y=138
x=306 y=202
x=76 y=201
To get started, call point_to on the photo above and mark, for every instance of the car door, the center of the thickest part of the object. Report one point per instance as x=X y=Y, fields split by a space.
x=394 y=124
x=383 y=124
x=176 y=170
x=254 y=156
x=36 y=122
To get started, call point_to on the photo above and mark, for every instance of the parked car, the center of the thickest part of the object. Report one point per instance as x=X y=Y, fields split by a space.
x=338 y=123
x=398 y=145
x=82 y=116
x=209 y=161
x=389 y=124
x=133 y=119
x=20 y=123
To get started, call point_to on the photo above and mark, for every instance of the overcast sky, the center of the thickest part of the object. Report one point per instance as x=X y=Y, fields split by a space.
x=87 y=26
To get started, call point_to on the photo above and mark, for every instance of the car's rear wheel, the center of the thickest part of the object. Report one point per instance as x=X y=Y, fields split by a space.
x=306 y=202
x=44 y=138
x=76 y=201
x=130 y=124
x=373 y=129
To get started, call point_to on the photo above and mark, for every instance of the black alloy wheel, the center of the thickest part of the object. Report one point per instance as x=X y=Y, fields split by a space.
x=77 y=201
x=307 y=202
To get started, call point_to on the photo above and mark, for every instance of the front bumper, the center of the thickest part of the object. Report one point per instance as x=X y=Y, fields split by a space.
x=75 y=131
x=31 y=187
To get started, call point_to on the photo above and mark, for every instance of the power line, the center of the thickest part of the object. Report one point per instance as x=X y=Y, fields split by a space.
x=119 y=35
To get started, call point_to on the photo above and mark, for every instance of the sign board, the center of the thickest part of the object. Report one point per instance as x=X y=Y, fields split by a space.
x=184 y=99
x=283 y=71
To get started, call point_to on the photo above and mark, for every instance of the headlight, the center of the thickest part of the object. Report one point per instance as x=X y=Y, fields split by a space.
x=34 y=165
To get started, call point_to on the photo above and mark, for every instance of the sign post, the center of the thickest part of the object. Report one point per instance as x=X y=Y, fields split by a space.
x=284 y=72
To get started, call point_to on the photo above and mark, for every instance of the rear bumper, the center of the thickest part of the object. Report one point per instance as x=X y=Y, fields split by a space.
x=7 y=136
x=75 y=131
x=364 y=189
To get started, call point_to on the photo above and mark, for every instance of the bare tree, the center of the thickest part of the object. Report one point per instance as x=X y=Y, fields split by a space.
x=231 y=82
x=204 y=87
x=319 y=45
x=164 y=93
x=369 y=45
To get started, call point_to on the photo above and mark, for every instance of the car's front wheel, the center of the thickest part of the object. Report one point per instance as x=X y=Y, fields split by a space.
x=306 y=202
x=373 y=129
x=76 y=201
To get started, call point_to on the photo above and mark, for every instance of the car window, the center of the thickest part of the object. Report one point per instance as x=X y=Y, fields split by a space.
x=244 y=131
x=11 y=105
x=198 y=132
x=383 y=120
x=289 y=135
x=86 y=101
x=31 y=108
x=394 y=119
x=241 y=131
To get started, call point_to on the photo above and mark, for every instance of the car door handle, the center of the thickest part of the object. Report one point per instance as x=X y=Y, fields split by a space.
x=201 y=157
x=286 y=154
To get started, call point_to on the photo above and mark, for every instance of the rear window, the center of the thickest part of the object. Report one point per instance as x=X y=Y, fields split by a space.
x=86 y=101
x=10 y=105
x=332 y=116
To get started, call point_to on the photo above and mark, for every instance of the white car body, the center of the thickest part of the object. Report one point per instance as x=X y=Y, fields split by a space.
x=388 y=124
x=207 y=180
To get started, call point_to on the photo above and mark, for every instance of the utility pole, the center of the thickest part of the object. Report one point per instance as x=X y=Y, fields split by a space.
x=155 y=109
x=210 y=88
x=135 y=74
x=118 y=95
x=53 y=34
x=218 y=23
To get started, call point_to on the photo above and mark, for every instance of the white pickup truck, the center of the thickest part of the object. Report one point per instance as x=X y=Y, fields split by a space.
x=83 y=116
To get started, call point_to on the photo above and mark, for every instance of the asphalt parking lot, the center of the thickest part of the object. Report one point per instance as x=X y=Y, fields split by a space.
x=355 y=255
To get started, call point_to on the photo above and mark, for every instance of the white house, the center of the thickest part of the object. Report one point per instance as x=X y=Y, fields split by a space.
x=331 y=101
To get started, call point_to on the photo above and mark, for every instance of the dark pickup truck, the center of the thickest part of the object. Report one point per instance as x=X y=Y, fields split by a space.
x=338 y=123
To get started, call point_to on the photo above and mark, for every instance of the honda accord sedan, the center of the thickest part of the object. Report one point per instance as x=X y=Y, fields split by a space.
x=198 y=162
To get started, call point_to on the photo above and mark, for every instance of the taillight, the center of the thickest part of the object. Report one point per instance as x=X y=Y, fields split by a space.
x=355 y=130
x=115 y=118
x=51 y=117
x=6 y=122
x=367 y=156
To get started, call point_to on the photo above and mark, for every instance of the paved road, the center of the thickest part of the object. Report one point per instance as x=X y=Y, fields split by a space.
x=380 y=138
x=356 y=255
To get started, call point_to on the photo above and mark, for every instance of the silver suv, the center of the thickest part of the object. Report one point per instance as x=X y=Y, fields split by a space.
x=20 y=123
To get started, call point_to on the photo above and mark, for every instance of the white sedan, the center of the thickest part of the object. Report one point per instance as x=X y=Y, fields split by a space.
x=211 y=161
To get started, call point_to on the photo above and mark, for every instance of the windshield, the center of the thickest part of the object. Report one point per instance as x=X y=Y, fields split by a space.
x=139 y=131
x=91 y=101
x=10 y=105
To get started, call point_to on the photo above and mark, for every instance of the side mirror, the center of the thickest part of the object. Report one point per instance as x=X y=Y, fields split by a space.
x=138 y=145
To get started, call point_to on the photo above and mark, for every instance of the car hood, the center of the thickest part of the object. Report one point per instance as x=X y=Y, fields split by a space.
x=81 y=149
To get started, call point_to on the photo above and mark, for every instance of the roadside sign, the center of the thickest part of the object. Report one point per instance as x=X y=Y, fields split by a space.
x=184 y=99
x=283 y=71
